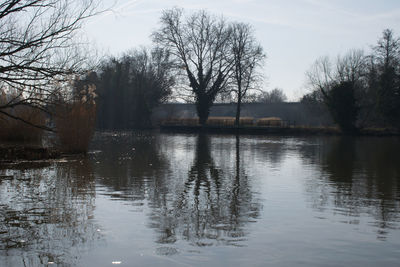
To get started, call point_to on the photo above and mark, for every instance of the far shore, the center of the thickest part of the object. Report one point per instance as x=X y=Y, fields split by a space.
x=11 y=152
x=275 y=130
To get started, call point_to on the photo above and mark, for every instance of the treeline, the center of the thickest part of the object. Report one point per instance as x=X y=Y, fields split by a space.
x=210 y=57
x=200 y=56
x=129 y=87
x=359 y=90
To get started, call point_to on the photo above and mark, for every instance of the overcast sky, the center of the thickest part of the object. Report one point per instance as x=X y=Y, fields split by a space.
x=293 y=33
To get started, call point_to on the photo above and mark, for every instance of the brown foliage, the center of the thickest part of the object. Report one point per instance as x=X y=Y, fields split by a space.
x=270 y=121
x=75 y=124
x=246 y=121
x=213 y=121
x=229 y=121
x=18 y=131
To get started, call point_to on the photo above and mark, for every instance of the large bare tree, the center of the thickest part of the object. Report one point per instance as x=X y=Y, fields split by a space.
x=200 y=43
x=39 y=49
x=247 y=57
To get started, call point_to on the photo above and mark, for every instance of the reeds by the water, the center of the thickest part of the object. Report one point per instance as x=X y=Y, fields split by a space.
x=75 y=124
x=221 y=121
x=13 y=130
x=270 y=121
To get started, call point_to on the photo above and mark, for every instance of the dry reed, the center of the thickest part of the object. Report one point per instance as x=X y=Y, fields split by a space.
x=270 y=121
x=75 y=124
x=13 y=130
x=246 y=121
x=221 y=121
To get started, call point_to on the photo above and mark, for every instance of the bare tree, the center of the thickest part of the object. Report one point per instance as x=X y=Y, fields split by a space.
x=320 y=75
x=200 y=44
x=387 y=64
x=274 y=96
x=247 y=57
x=341 y=85
x=351 y=67
x=348 y=68
x=39 y=50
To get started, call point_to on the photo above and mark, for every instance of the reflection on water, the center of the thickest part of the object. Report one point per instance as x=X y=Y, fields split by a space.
x=163 y=199
x=45 y=213
x=210 y=207
x=201 y=202
x=358 y=176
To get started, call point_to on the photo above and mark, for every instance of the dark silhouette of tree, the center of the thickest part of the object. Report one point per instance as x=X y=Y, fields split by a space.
x=315 y=109
x=372 y=82
x=387 y=65
x=340 y=85
x=130 y=87
x=341 y=102
x=200 y=44
x=247 y=56
x=38 y=49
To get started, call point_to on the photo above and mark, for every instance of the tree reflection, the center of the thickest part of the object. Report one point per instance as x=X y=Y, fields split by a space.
x=127 y=162
x=271 y=149
x=360 y=175
x=45 y=213
x=212 y=206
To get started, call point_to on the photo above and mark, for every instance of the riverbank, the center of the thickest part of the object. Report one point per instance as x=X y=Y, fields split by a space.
x=265 y=130
x=13 y=152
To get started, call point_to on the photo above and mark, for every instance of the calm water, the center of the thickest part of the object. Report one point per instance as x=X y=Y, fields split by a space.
x=141 y=199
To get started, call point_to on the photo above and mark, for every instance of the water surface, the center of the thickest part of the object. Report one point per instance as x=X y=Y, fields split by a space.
x=193 y=200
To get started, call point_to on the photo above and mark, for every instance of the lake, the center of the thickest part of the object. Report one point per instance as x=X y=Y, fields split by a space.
x=151 y=199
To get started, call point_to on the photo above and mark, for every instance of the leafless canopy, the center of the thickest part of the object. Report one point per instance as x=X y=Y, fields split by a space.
x=248 y=55
x=200 y=43
x=348 y=68
x=38 y=48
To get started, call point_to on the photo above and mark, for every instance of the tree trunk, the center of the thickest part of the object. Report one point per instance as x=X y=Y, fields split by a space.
x=203 y=109
x=238 y=108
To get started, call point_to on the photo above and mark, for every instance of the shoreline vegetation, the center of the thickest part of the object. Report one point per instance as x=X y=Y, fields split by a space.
x=263 y=126
x=275 y=130
x=219 y=60
x=12 y=152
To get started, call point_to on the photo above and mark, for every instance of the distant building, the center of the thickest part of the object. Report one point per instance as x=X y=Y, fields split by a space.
x=294 y=112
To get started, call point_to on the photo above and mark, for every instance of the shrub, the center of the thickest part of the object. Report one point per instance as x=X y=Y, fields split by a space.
x=343 y=106
x=75 y=125
x=17 y=130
